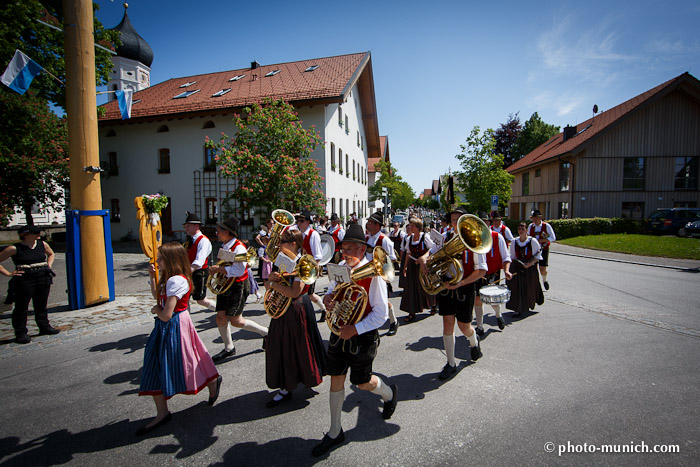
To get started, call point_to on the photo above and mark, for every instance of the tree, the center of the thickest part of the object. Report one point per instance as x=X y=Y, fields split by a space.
x=534 y=133
x=483 y=173
x=506 y=136
x=270 y=159
x=399 y=191
x=33 y=156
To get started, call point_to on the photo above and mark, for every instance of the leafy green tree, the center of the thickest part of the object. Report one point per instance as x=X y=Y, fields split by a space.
x=399 y=191
x=483 y=174
x=33 y=156
x=270 y=159
x=535 y=132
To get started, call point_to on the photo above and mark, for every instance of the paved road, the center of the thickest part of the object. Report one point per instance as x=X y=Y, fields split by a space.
x=610 y=358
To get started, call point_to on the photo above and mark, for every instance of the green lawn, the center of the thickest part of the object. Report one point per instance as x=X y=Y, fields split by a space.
x=645 y=245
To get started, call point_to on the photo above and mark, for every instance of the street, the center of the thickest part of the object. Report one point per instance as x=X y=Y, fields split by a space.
x=609 y=359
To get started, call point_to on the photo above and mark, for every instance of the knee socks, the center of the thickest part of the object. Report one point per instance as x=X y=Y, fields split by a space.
x=392 y=315
x=225 y=332
x=336 y=400
x=255 y=327
x=497 y=310
x=449 y=341
x=384 y=391
x=479 y=312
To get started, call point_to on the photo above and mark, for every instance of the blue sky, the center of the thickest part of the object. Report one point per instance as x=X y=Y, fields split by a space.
x=440 y=67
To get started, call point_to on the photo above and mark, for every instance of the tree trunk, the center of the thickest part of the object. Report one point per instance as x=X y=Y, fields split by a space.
x=28 y=214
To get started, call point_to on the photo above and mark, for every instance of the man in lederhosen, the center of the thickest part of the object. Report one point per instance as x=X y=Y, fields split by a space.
x=375 y=237
x=337 y=232
x=198 y=249
x=229 y=305
x=544 y=234
x=312 y=246
x=357 y=344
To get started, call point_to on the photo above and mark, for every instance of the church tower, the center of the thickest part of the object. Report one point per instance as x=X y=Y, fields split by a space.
x=132 y=64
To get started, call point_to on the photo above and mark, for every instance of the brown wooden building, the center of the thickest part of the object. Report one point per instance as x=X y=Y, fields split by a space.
x=625 y=162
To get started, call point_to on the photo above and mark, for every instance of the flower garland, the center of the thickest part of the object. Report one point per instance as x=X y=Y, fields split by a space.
x=153 y=205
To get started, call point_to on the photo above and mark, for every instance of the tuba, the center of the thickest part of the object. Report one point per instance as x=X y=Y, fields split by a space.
x=282 y=219
x=445 y=266
x=349 y=299
x=275 y=302
x=219 y=283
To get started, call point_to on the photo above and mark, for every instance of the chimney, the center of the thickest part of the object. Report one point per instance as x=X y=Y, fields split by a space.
x=569 y=132
x=254 y=64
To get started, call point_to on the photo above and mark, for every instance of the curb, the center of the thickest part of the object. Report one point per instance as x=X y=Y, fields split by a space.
x=678 y=268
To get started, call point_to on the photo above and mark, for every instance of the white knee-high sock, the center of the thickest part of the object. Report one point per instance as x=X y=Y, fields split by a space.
x=497 y=310
x=392 y=315
x=255 y=327
x=472 y=340
x=384 y=390
x=479 y=312
x=336 y=400
x=544 y=277
x=225 y=332
x=449 y=341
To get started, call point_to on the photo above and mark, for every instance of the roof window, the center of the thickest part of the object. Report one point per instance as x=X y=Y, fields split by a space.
x=312 y=68
x=186 y=94
x=221 y=93
x=272 y=73
x=237 y=77
x=187 y=84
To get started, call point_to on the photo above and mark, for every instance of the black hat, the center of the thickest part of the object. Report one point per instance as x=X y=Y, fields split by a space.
x=25 y=229
x=456 y=208
x=483 y=216
x=355 y=233
x=230 y=224
x=377 y=217
x=305 y=214
x=334 y=217
x=445 y=218
x=192 y=219
x=536 y=213
x=496 y=215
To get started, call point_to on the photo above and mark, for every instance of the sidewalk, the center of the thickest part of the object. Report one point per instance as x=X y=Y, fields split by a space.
x=625 y=258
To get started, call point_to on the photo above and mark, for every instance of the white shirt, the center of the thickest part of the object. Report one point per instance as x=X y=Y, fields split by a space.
x=387 y=244
x=341 y=232
x=536 y=250
x=505 y=231
x=176 y=286
x=429 y=243
x=401 y=234
x=314 y=243
x=377 y=299
x=538 y=228
x=235 y=269
x=203 y=250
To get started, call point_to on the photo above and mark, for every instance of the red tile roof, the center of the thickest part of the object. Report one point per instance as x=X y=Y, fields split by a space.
x=332 y=80
x=597 y=125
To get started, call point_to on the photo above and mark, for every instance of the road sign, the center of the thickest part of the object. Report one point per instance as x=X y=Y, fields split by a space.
x=494 y=202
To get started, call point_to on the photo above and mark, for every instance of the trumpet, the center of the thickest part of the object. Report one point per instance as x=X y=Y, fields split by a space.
x=445 y=267
x=350 y=299
x=276 y=303
x=282 y=219
x=219 y=283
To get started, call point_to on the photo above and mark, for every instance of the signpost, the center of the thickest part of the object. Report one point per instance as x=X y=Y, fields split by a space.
x=494 y=203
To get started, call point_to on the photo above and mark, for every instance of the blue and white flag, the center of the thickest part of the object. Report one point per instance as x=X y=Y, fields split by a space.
x=20 y=72
x=124 y=100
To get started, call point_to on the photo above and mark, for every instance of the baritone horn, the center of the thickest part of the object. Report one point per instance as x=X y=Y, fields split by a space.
x=275 y=303
x=445 y=266
x=349 y=299
x=219 y=283
x=281 y=220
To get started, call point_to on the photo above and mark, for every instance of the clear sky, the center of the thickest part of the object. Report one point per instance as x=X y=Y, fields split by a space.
x=440 y=67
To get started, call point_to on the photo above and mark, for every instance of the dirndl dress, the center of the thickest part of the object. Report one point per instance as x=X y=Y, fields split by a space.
x=414 y=298
x=176 y=361
x=525 y=288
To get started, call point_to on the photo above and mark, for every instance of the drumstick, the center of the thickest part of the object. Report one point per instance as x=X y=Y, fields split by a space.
x=499 y=280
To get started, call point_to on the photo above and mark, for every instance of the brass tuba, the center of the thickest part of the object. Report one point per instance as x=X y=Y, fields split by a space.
x=219 y=283
x=275 y=302
x=282 y=219
x=349 y=299
x=445 y=266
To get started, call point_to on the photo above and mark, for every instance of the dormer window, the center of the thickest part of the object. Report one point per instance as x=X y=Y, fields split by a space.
x=272 y=73
x=237 y=77
x=186 y=94
x=188 y=84
x=311 y=68
x=221 y=93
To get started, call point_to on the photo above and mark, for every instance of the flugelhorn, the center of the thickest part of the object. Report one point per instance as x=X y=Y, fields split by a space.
x=349 y=300
x=219 y=283
x=281 y=220
x=445 y=266
x=275 y=302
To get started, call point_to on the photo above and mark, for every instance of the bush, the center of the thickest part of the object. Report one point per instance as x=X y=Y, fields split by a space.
x=569 y=228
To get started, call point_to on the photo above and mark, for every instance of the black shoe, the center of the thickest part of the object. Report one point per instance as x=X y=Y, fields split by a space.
x=322 y=319
x=23 y=339
x=393 y=327
x=328 y=443
x=272 y=403
x=49 y=331
x=447 y=371
x=546 y=285
x=213 y=398
x=147 y=429
x=476 y=352
x=224 y=354
x=479 y=331
x=390 y=406
x=501 y=323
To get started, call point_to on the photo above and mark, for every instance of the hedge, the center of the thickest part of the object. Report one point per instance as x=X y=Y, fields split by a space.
x=569 y=228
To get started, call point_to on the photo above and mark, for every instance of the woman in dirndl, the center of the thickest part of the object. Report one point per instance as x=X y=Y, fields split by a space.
x=525 y=288
x=175 y=360
x=294 y=350
x=414 y=298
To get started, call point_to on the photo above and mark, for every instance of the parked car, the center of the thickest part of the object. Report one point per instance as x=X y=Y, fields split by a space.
x=692 y=229
x=671 y=221
x=398 y=218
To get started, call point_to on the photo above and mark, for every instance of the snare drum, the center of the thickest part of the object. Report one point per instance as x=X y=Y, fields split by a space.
x=494 y=294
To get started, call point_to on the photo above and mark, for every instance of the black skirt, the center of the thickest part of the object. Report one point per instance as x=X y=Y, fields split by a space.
x=414 y=298
x=525 y=288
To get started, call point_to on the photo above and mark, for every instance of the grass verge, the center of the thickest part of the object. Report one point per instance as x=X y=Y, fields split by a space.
x=645 y=245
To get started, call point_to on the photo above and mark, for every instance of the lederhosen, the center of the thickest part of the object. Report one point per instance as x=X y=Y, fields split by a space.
x=199 y=277
x=356 y=353
x=459 y=302
x=541 y=235
x=494 y=262
x=33 y=285
x=233 y=300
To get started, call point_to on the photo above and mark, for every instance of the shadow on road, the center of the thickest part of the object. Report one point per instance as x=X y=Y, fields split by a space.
x=131 y=344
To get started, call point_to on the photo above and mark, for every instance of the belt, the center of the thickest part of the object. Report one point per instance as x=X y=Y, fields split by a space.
x=29 y=267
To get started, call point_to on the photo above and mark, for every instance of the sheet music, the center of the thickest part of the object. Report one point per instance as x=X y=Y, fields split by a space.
x=226 y=255
x=338 y=273
x=437 y=238
x=285 y=263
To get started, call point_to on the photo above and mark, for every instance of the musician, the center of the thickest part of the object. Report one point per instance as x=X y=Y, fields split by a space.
x=396 y=236
x=312 y=246
x=496 y=259
x=375 y=237
x=198 y=249
x=229 y=305
x=457 y=302
x=544 y=233
x=497 y=225
x=294 y=353
x=356 y=346
x=444 y=225
x=525 y=288
x=337 y=232
x=322 y=225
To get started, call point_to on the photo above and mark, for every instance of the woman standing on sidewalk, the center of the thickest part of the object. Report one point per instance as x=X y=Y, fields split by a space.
x=175 y=360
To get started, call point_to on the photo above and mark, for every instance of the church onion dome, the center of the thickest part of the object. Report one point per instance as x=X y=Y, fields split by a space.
x=133 y=46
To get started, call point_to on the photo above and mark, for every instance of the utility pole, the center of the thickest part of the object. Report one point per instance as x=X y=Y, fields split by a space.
x=81 y=110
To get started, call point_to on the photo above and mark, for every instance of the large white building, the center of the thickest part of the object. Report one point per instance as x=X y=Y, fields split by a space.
x=161 y=148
